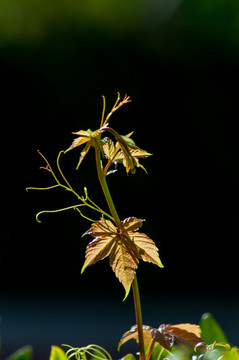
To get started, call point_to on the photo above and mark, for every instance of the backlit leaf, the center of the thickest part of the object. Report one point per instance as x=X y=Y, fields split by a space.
x=57 y=354
x=133 y=334
x=124 y=246
x=109 y=149
x=146 y=248
x=110 y=241
x=83 y=153
x=98 y=249
x=83 y=138
x=124 y=263
x=132 y=223
x=102 y=228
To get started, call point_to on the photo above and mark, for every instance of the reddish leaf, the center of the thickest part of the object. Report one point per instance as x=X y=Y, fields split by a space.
x=184 y=334
x=188 y=332
x=163 y=337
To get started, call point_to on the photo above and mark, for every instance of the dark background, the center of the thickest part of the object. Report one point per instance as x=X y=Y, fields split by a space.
x=178 y=60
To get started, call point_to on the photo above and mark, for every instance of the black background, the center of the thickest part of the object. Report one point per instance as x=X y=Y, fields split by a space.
x=181 y=70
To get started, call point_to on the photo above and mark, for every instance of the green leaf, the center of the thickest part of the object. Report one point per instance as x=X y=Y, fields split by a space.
x=128 y=357
x=24 y=353
x=211 y=330
x=233 y=354
x=57 y=353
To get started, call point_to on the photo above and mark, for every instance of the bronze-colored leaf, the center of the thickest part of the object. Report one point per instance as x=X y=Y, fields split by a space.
x=132 y=223
x=133 y=334
x=146 y=248
x=190 y=333
x=124 y=263
x=83 y=138
x=183 y=334
x=98 y=249
x=110 y=241
x=124 y=246
x=102 y=228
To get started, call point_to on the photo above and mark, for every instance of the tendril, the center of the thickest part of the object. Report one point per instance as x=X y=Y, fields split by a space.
x=75 y=207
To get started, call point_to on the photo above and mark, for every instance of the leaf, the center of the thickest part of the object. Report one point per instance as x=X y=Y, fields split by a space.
x=98 y=249
x=89 y=137
x=233 y=354
x=83 y=138
x=133 y=334
x=188 y=332
x=57 y=353
x=163 y=337
x=124 y=263
x=110 y=241
x=83 y=153
x=211 y=330
x=132 y=223
x=124 y=246
x=184 y=334
x=102 y=228
x=146 y=247
x=24 y=353
x=128 y=357
x=109 y=148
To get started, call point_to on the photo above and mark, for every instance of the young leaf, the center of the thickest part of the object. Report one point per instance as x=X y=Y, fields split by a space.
x=124 y=262
x=128 y=357
x=109 y=241
x=147 y=249
x=89 y=137
x=57 y=354
x=125 y=248
x=83 y=138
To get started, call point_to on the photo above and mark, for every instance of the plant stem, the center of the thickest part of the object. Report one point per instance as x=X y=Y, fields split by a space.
x=135 y=288
x=138 y=314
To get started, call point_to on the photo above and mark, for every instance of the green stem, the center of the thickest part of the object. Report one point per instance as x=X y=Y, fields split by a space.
x=138 y=315
x=135 y=288
x=105 y=189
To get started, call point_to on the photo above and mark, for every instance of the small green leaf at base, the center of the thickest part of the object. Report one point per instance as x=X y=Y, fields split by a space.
x=57 y=353
x=128 y=357
x=24 y=353
x=211 y=330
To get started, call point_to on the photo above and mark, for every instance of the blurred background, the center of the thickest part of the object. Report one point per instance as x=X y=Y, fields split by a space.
x=179 y=62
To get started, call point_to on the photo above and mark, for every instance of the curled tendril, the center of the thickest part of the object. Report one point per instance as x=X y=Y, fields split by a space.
x=75 y=207
x=92 y=350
